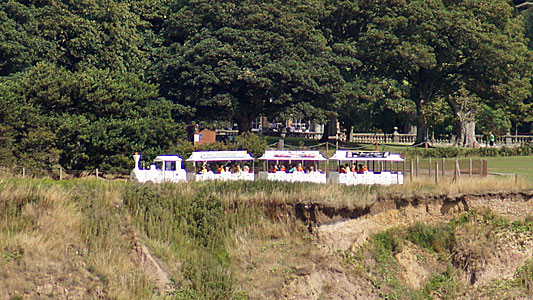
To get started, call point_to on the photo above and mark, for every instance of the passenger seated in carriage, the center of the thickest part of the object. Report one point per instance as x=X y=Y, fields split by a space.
x=353 y=169
x=273 y=169
x=282 y=168
x=220 y=169
x=299 y=168
x=362 y=169
x=344 y=169
x=311 y=169
x=292 y=169
x=246 y=169
x=203 y=170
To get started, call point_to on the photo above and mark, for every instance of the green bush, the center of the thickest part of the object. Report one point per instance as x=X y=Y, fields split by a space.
x=254 y=144
x=196 y=223
x=464 y=152
x=525 y=276
x=385 y=245
x=433 y=238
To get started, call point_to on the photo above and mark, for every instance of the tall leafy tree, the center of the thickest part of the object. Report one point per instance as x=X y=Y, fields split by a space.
x=20 y=43
x=234 y=60
x=85 y=119
x=438 y=48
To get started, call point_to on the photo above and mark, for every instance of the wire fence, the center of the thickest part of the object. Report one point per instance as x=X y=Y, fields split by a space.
x=411 y=168
x=62 y=173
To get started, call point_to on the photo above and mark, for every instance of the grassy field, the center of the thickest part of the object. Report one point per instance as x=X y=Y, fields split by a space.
x=497 y=166
x=522 y=165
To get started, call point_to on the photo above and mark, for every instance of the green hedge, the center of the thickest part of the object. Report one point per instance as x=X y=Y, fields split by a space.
x=465 y=152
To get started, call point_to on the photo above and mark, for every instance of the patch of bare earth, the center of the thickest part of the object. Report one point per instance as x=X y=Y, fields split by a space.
x=326 y=277
x=35 y=273
x=417 y=266
x=151 y=266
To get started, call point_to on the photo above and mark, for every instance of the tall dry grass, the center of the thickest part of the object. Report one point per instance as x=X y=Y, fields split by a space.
x=465 y=184
x=69 y=239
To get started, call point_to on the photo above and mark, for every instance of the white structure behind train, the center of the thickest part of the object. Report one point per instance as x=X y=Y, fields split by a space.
x=165 y=168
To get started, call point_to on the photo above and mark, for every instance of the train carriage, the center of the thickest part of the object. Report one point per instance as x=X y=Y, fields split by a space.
x=222 y=165
x=380 y=168
x=293 y=166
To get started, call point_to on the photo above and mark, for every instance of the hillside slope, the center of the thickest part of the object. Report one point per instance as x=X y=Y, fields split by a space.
x=95 y=239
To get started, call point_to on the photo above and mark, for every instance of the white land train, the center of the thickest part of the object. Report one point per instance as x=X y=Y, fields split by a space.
x=383 y=177
x=166 y=168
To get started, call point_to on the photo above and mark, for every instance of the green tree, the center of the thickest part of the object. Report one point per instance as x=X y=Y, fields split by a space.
x=523 y=118
x=86 y=119
x=75 y=35
x=20 y=44
x=439 y=48
x=234 y=60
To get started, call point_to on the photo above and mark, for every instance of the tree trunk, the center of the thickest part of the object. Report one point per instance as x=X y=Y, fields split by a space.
x=470 y=133
x=244 y=122
x=465 y=124
x=330 y=129
x=421 y=128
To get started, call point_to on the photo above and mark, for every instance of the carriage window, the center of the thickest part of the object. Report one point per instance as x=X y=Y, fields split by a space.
x=158 y=165
x=170 y=166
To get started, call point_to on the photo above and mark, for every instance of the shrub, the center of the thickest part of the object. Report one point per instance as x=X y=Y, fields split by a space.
x=253 y=143
x=525 y=276
x=433 y=238
x=463 y=152
x=386 y=244
x=195 y=223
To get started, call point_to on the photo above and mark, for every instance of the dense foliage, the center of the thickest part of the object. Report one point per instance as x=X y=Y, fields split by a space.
x=84 y=84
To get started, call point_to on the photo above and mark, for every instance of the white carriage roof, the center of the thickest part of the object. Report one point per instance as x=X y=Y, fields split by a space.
x=366 y=156
x=167 y=158
x=292 y=155
x=219 y=156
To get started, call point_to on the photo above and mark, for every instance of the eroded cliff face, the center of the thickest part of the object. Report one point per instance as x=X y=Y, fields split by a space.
x=415 y=206
x=481 y=256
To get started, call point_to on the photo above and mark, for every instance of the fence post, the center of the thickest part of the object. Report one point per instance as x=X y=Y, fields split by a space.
x=60 y=173
x=485 y=170
x=481 y=167
x=456 y=172
x=515 y=178
x=470 y=168
x=458 y=167
x=443 y=165
x=429 y=167
x=411 y=171
x=23 y=172
x=417 y=161
x=404 y=167
x=437 y=172
x=96 y=173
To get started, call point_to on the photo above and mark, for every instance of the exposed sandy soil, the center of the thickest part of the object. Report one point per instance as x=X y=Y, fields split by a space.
x=334 y=280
